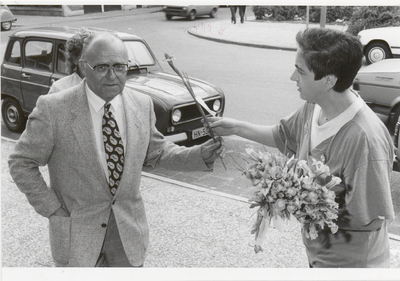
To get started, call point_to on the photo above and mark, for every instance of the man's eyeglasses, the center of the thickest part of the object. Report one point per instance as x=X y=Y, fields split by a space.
x=102 y=69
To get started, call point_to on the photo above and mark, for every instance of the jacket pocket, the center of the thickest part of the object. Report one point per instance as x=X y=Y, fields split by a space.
x=60 y=239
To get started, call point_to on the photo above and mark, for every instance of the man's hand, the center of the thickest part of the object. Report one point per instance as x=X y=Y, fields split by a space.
x=211 y=150
x=61 y=212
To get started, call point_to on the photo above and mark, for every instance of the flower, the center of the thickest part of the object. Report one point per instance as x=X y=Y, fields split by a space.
x=287 y=188
x=280 y=204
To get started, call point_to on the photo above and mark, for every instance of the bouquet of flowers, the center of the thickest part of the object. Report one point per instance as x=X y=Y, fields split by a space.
x=287 y=188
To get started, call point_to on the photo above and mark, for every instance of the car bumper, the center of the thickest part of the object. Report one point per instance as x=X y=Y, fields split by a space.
x=181 y=137
x=196 y=134
x=176 y=12
x=396 y=165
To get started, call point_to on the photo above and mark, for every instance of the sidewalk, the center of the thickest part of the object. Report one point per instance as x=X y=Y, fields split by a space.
x=262 y=34
x=34 y=20
x=190 y=227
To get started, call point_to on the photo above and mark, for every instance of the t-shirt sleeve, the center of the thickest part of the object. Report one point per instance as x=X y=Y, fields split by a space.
x=289 y=131
x=368 y=193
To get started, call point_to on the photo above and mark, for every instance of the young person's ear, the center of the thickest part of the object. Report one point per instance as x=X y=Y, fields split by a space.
x=330 y=81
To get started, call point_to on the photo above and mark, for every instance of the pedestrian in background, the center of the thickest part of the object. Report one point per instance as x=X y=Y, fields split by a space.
x=242 y=10
x=337 y=127
x=95 y=139
x=73 y=53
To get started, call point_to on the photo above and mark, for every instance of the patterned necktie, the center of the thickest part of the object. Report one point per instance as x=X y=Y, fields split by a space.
x=114 y=149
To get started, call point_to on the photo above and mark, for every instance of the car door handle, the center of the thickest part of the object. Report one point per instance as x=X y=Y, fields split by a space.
x=25 y=75
x=383 y=78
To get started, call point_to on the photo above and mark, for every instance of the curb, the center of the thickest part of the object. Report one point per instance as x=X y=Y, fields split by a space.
x=195 y=187
x=217 y=193
x=8 y=139
x=96 y=16
x=242 y=43
x=394 y=237
x=202 y=189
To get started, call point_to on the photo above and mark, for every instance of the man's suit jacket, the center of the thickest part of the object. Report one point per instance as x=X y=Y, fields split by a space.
x=60 y=134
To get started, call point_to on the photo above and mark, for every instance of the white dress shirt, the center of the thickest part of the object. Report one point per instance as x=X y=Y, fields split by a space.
x=96 y=105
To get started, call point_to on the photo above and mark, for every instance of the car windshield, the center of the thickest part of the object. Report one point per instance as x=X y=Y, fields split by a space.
x=138 y=53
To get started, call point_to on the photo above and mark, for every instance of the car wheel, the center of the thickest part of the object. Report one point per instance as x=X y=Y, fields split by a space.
x=6 y=25
x=169 y=17
x=13 y=116
x=392 y=121
x=213 y=13
x=377 y=51
x=192 y=15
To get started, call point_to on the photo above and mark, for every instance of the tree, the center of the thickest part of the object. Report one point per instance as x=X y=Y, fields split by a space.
x=367 y=17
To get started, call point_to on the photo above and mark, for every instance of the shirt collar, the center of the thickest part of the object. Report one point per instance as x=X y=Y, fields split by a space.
x=98 y=103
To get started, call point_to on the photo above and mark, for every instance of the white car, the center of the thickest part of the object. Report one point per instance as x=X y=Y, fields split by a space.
x=379 y=85
x=380 y=43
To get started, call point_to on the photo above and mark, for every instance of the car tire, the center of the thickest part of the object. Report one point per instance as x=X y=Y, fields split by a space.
x=169 y=17
x=377 y=51
x=192 y=15
x=13 y=116
x=6 y=25
x=213 y=13
x=392 y=121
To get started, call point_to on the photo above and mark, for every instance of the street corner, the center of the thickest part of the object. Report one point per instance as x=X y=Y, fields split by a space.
x=214 y=30
x=251 y=33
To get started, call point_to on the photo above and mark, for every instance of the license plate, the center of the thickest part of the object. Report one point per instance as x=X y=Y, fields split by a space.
x=198 y=133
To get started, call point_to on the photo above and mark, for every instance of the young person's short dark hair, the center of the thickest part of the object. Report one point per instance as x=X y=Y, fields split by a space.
x=328 y=51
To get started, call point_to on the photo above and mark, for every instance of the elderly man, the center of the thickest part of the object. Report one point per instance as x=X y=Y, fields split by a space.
x=95 y=138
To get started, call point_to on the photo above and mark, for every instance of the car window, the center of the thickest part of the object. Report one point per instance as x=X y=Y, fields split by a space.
x=61 y=59
x=38 y=55
x=15 y=55
x=138 y=53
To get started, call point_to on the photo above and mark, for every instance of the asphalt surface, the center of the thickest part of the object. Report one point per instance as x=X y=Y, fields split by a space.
x=197 y=220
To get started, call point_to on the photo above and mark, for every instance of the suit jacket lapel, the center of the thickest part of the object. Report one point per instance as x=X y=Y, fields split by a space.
x=84 y=132
x=132 y=137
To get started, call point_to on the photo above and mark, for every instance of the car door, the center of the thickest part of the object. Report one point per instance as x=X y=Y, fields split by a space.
x=11 y=71
x=203 y=10
x=37 y=70
x=60 y=62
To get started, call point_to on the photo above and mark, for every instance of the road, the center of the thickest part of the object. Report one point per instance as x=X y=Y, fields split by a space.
x=255 y=81
x=259 y=75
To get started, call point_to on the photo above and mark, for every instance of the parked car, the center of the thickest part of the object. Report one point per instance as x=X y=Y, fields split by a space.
x=7 y=18
x=379 y=85
x=190 y=12
x=380 y=43
x=35 y=58
x=396 y=141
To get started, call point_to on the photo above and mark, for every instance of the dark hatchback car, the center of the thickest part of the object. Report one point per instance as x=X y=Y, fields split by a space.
x=35 y=58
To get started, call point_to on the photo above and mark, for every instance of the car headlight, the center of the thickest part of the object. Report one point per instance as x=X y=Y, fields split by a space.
x=176 y=115
x=217 y=105
x=184 y=8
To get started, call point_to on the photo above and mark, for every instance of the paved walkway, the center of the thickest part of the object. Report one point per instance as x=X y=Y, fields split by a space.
x=262 y=34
